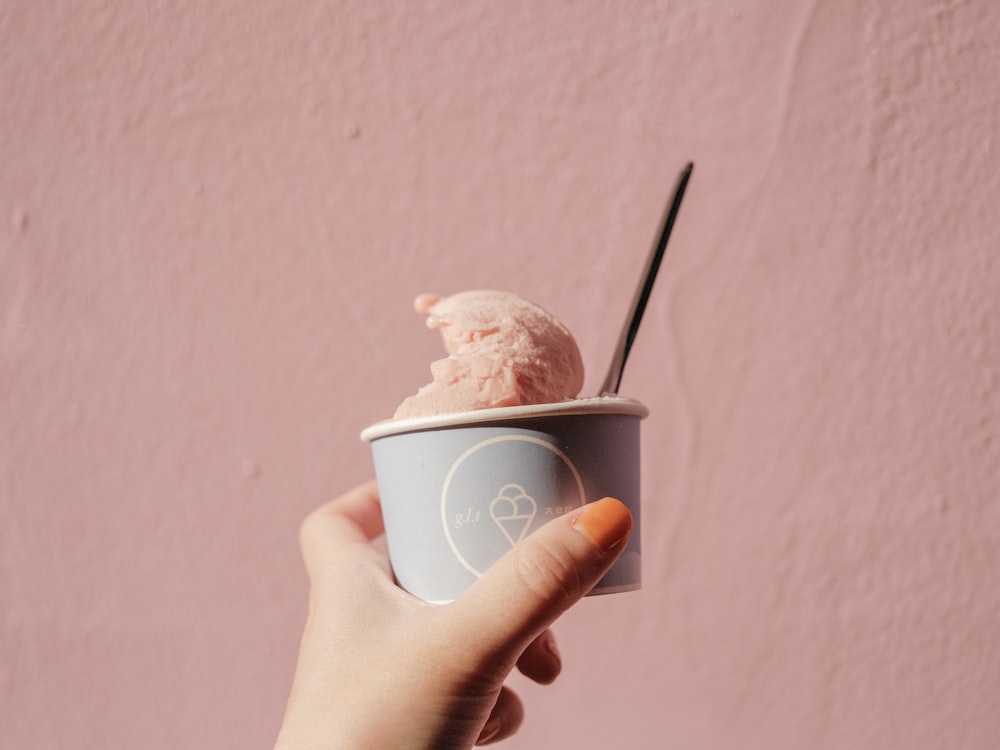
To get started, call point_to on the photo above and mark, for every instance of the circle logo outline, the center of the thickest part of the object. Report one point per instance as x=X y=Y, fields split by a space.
x=474 y=449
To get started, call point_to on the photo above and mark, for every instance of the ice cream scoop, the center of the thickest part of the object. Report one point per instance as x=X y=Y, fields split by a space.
x=502 y=351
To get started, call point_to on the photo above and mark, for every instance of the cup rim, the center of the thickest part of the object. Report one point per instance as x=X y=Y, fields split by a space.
x=591 y=405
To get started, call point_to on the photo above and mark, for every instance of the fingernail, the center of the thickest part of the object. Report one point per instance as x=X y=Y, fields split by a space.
x=606 y=523
x=552 y=648
x=490 y=730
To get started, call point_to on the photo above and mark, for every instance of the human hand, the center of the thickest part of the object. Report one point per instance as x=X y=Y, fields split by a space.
x=379 y=668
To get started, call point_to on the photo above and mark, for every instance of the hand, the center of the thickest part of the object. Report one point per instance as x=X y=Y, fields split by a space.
x=379 y=668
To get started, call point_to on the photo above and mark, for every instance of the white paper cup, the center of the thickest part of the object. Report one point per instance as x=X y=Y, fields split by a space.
x=459 y=490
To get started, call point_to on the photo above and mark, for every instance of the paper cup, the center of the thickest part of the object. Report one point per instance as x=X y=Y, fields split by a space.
x=459 y=490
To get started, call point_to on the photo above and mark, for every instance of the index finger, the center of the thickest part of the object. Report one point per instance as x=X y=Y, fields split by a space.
x=353 y=518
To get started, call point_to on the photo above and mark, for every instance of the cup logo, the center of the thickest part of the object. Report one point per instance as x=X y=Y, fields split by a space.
x=513 y=511
x=500 y=490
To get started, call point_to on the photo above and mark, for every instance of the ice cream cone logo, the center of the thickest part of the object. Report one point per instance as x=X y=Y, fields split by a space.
x=513 y=510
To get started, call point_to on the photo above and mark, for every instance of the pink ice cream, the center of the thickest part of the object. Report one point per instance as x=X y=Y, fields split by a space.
x=502 y=351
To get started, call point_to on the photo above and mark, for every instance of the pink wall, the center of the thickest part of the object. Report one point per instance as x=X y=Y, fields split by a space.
x=215 y=216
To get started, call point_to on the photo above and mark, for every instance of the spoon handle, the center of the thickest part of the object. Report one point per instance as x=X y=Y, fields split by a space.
x=613 y=379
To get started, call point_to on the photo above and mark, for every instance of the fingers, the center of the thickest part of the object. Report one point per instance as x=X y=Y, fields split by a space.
x=541 y=661
x=505 y=718
x=545 y=574
x=353 y=518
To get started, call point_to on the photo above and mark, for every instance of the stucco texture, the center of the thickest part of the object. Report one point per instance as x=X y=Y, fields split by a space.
x=215 y=217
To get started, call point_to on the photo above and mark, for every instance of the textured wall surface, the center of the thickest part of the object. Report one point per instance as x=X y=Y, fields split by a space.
x=215 y=216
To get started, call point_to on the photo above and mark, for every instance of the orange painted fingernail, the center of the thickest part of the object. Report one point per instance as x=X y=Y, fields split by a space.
x=606 y=523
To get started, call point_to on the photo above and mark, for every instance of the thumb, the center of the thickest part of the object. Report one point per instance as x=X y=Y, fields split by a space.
x=543 y=576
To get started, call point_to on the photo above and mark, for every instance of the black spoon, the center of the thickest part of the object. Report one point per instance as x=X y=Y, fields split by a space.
x=614 y=377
